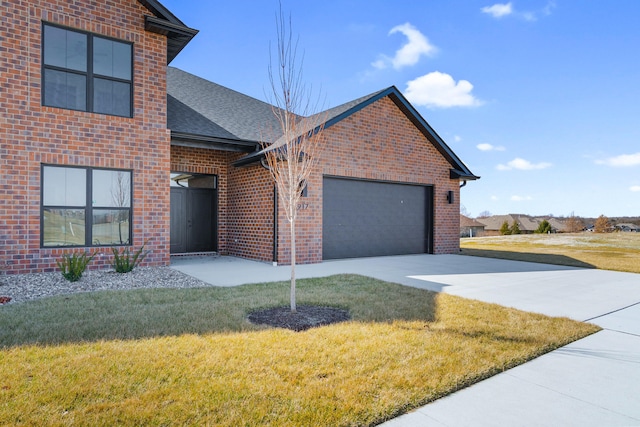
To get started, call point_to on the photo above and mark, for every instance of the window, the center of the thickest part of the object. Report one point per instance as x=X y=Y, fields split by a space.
x=86 y=72
x=85 y=206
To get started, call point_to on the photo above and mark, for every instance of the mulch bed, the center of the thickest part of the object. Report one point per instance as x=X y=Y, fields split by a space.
x=305 y=317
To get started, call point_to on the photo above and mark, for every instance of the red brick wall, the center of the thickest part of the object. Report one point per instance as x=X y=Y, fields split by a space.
x=245 y=200
x=250 y=208
x=31 y=134
x=376 y=143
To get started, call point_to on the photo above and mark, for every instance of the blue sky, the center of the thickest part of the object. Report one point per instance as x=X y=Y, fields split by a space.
x=539 y=98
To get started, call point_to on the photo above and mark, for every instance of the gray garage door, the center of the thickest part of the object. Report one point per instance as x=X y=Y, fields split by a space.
x=369 y=218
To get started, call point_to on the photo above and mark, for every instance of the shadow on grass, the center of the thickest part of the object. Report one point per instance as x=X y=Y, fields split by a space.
x=527 y=257
x=157 y=312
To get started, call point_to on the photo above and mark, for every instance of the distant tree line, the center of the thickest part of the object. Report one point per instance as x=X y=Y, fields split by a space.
x=570 y=224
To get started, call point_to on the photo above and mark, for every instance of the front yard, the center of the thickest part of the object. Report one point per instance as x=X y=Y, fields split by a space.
x=190 y=357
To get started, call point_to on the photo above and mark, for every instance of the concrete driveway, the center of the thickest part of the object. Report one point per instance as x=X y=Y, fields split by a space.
x=591 y=382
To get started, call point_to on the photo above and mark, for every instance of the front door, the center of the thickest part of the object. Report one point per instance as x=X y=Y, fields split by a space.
x=193 y=218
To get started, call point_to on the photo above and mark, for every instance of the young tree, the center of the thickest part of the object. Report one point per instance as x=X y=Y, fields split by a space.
x=602 y=225
x=543 y=228
x=515 y=227
x=504 y=229
x=292 y=157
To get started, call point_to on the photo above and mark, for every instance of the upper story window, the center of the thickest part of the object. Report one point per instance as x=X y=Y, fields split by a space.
x=83 y=71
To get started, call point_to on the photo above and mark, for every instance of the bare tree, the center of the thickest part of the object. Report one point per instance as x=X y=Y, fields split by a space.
x=120 y=197
x=293 y=156
x=573 y=224
x=484 y=214
x=602 y=225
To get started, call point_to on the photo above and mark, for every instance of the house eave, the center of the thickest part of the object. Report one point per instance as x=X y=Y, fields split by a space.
x=249 y=160
x=182 y=139
x=462 y=176
x=178 y=35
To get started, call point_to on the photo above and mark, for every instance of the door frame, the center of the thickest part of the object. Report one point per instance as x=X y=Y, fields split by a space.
x=188 y=191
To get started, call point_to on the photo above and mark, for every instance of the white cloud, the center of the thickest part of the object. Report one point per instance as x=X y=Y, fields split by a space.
x=494 y=198
x=549 y=8
x=522 y=164
x=489 y=147
x=379 y=64
x=417 y=45
x=498 y=10
x=438 y=89
x=623 y=160
x=521 y=198
x=634 y=188
x=457 y=138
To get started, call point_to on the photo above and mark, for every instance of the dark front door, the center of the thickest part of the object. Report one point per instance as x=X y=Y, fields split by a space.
x=371 y=218
x=193 y=220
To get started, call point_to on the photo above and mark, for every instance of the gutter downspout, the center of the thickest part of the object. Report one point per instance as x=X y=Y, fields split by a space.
x=275 y=225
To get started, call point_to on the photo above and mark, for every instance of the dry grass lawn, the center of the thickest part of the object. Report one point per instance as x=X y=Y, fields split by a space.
x=609 y=251
x=189 y=357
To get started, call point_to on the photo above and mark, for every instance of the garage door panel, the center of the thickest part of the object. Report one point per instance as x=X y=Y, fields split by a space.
x=368 y=218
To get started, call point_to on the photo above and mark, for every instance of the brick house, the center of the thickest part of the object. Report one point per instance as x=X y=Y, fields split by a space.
x=104 y=145
x=469 y=227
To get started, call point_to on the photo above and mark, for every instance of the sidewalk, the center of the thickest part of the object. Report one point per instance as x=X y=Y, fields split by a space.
x=591 y=382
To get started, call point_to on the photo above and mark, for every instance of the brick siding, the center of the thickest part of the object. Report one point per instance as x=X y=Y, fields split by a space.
x=377 y=143
x=250 y=199
x=380 y=143
x=31 y=134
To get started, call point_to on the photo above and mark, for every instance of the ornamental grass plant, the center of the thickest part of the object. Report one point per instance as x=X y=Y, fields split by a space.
x=73 y=264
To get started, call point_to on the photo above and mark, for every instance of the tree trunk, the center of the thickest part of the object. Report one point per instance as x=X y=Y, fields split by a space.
x=293 y=265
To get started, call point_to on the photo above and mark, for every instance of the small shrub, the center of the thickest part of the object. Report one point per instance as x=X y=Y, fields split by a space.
x=72 y=265
x=543 y=228
x=515 y=227
x=125 y=261
x=504 y=229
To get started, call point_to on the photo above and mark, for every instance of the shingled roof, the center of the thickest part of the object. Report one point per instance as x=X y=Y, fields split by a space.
x=203 y=113
x=329 y=117
x=215 y=114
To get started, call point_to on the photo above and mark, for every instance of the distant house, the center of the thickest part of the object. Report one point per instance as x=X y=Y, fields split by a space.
x=526 y=223
x=493 y=223
x=557 y=225
x=469 y=227
x=628 y=227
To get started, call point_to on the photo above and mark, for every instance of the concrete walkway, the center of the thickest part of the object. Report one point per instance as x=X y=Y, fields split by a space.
x=591 y=382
